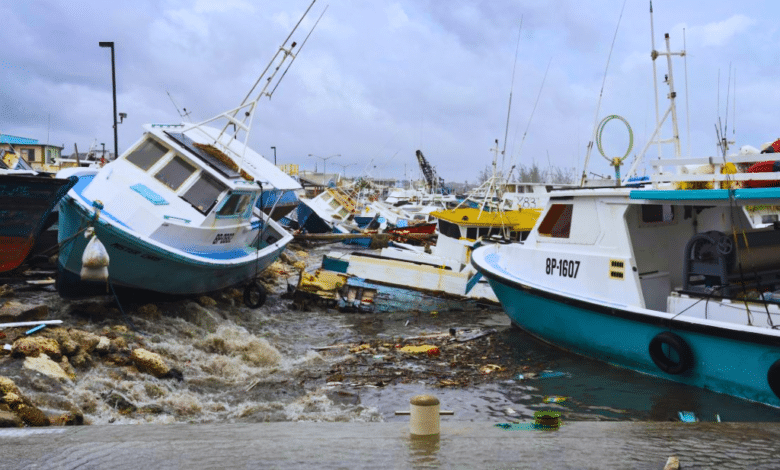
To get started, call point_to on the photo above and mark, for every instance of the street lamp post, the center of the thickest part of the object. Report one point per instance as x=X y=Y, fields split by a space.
x=104 y=149
x=274 y=154
x=110 y=44
x=324 y=159
x=344 y=168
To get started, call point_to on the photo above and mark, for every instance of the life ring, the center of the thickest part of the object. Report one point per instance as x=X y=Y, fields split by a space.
x=681 y=349
x=763 y=167
x=254 y=295
x=773 y=377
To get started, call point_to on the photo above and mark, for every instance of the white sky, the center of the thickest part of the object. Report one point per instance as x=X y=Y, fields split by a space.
x=378 y=80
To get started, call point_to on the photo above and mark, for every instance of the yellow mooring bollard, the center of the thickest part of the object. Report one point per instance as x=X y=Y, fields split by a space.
x=424 y=415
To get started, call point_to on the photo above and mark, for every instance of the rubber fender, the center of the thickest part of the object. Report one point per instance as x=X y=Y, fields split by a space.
x=773 y=377
x=681 y=348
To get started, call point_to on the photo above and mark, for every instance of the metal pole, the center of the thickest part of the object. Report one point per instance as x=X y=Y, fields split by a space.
x=274 y=154
x=110 y=44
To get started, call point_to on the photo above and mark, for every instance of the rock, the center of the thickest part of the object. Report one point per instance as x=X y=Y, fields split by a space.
x=82 y=360
x=120 y=403
x=6 y=291
x=152 y=409
x=10 y=420
x=44 y=365
x=68 y=346
x=206 y=301
x=67 y=368
x=70 y=418
x=341 y=397
x=32 y=416
x=150 y=363
x=87 y=341
x=103 y=346
x=7 y=386
x=18 y=312
x=32 y=346
x=149 y=310
x=198 y=315
x=118 y=344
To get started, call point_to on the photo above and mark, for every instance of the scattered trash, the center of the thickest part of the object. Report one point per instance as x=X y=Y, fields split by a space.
x=687 y=417
x=520 y=377
x=42 y=282
x=510 y=411
x=517 y=426
x=422 y=349
x=7 y=347
x=33 y=330
x=717 y=418
x=490 y=368
x=547 y=419
x=462 y=336
x=554 y=399
x=549 y=374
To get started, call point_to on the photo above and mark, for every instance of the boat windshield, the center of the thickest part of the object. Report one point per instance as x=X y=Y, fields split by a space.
x=235 y=205
x=204 y=193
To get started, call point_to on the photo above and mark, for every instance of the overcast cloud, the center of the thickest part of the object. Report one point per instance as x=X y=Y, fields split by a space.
x=378 y=80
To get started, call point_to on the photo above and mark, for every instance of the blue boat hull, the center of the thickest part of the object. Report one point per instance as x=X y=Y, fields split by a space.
x=138 y=264
x=733 y=362
x=310 y=222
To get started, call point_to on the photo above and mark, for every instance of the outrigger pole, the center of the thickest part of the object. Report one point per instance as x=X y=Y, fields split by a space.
x=244 y=123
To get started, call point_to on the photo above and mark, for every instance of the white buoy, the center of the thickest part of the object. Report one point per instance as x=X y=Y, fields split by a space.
x=424 y=415
x=94 y=261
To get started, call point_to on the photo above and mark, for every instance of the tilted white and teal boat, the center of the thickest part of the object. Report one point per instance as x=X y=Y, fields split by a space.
x=677 y=277
x=177 y=211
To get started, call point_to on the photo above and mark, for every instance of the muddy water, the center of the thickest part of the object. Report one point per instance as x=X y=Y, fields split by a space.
x=244 y=366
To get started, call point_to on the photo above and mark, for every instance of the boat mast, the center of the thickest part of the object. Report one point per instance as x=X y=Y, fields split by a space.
x=247 y=106
x=669 y=79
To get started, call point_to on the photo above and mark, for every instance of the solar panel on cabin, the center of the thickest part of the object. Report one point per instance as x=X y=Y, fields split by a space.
x=189 y=144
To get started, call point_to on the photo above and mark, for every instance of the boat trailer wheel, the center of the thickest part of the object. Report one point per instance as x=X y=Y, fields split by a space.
x=254 y=295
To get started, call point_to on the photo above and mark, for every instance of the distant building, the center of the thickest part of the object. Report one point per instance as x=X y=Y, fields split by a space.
x=42 y=157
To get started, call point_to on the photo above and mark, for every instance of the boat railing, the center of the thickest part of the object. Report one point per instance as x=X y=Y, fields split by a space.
x=720 y=173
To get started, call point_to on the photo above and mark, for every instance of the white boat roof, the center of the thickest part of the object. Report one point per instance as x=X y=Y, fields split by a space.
x=252 y=162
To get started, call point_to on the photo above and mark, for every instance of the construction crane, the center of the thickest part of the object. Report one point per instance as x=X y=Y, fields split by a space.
x=433 y=183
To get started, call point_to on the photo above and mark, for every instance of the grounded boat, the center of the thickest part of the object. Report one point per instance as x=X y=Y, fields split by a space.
x=677 y=277
x=27 y=201
x=444 y=268
x=177 y=211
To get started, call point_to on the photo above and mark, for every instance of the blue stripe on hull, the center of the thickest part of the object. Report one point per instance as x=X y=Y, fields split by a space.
x=137 y=264
x=721 y=364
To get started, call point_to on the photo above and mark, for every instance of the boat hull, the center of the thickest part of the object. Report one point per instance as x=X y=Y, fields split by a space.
x=136 y=263
x=733 y=362
x=26 y=203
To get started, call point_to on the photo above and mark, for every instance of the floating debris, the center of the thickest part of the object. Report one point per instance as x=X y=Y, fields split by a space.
x=554 y=399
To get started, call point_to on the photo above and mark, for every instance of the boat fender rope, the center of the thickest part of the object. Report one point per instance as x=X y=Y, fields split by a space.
x=773 y=377
x=681 y=349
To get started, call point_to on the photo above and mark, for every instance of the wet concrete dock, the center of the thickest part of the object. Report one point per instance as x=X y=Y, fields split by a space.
x=578 y=445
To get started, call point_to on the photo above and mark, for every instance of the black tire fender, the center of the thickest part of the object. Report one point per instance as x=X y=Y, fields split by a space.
x=773 y=377
x=664 y=362
x=254 y=295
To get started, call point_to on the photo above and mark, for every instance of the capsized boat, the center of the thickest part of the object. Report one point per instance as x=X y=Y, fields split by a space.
x=27 y=201
x=677 y=276
x=177 y=211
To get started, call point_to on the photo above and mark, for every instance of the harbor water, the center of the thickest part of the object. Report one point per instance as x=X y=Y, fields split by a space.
x=278 y=363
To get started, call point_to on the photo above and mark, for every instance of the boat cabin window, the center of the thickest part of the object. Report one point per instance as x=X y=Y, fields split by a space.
x=204 y=193
x=237 y=204
x=147 y=154
x=448 y=229
x=656 y=214
x=175 y=172
x=557 y=222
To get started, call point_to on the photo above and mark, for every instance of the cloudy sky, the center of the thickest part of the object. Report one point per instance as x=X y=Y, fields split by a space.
x=378 y=80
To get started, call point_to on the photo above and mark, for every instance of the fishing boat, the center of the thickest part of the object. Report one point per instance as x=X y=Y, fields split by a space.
x=177 y=211
x=27 y=202
x=676 y=276
x=442 y=269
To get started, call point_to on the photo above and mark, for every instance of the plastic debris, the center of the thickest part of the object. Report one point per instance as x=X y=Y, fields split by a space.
x=520 y=377
x=7 y=347
x=554 y=399
x=422 y=349
x=549 y=374
x=490 y=368
x=468 y=335
x=717 y=418
x=687 y=417
x=33 y=330
x=547 y=419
